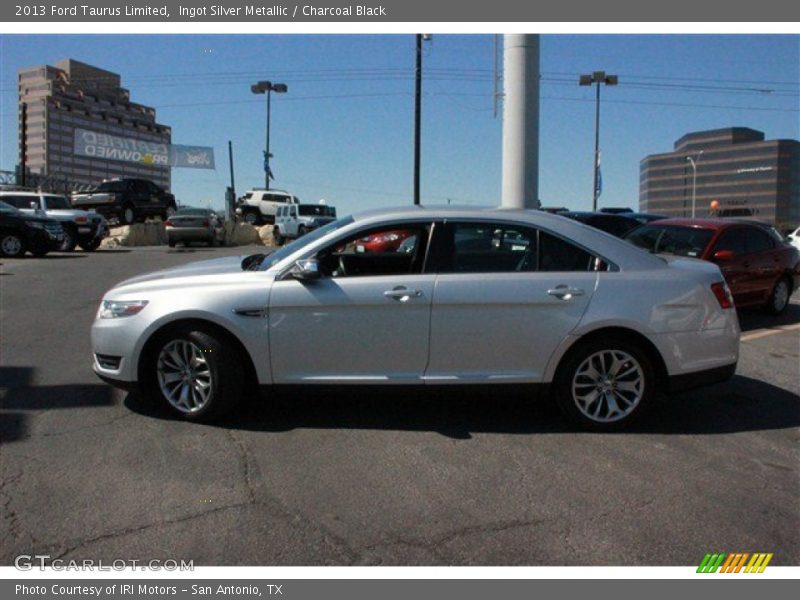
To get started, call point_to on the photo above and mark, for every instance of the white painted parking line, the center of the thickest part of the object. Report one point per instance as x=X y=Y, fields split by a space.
x=754 y=335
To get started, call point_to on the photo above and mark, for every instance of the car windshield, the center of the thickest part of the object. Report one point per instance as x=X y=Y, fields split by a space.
x=7 y=207
x=57 y=203
x=299 y=243
x=671 y=239
x=316 y=210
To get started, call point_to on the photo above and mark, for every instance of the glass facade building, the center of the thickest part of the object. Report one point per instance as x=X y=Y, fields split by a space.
x=736 y=167
x=73 y=95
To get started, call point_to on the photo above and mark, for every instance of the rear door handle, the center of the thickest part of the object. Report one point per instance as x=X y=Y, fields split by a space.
x=402 y=294
x=564 y=292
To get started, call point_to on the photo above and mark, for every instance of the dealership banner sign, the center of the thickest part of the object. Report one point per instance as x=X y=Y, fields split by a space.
x=95 y=144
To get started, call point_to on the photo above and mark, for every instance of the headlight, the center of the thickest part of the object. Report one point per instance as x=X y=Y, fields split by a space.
x=115 y=309
x=36 y=224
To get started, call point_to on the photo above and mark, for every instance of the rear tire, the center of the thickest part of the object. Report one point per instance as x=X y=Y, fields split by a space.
x=90 y=246
x=194 y=373
x=128 y=215
x=279 y=239
x=171 y=243
x=12 y=245
x=605 y=384
x=779 y=298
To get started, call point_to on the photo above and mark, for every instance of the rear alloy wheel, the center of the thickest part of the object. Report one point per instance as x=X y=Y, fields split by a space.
x=70 y=240
x=779 y=298
x=198 y=377
x=11 y=245
x=603 y=386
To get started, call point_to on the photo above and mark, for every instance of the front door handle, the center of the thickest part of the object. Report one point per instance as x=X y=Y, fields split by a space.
x=402 y=294
x=564 y=292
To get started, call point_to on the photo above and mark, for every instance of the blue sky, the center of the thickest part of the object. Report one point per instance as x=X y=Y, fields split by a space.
x=344 y=130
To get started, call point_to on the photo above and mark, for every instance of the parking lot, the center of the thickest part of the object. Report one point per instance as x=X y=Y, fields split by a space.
x=344 y=476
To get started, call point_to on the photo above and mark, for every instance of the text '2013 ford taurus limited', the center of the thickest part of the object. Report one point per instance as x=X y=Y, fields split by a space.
x=475 y=296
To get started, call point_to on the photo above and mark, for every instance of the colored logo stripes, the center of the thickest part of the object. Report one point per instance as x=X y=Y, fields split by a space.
x=735 y=562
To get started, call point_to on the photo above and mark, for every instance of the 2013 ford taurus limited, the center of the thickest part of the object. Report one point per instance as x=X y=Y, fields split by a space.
x=476 y=296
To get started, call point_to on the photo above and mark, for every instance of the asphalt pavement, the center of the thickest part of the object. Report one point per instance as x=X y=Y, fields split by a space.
x=369 y=476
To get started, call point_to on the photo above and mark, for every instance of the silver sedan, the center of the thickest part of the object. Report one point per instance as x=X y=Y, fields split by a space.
x=484 y=296
x=194 y=225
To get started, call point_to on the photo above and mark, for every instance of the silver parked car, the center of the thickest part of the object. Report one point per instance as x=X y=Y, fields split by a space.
x=189 y=224
x=484 y=296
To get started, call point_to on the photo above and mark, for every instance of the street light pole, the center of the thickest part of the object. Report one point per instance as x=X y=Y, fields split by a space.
x=267 y=87
x=597 y=78
x=421 y=37
x=694 y=163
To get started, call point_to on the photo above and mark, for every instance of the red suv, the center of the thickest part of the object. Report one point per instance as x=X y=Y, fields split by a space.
x=759 y=267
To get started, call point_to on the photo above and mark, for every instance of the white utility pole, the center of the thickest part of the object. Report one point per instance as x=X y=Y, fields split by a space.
x=520 y=121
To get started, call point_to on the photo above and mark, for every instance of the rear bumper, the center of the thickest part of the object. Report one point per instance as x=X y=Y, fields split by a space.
x=180 y=234
x=690 y=381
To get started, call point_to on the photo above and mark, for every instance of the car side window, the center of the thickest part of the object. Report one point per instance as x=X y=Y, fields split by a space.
x=757 y=240
x=732 y=240
x=487 y=248
x=556 y=254
x=21 y=201
x=389 y=250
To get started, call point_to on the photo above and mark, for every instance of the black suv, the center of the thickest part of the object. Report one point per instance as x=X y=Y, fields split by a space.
x=127 y=200
x=20 y=233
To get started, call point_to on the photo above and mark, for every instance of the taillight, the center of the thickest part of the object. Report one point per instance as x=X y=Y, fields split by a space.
x=723 y=294
x=81 y=219
x=205 y=223
x=168 y=223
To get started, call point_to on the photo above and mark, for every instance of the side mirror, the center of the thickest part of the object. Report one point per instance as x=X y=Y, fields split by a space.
x=723 y=255
x=307 y=270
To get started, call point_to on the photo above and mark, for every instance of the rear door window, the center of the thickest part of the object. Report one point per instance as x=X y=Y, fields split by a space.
x=757 y=240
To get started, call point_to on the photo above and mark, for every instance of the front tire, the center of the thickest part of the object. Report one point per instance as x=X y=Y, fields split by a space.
x=12 y=245
x=195 y=374
x=251 y=218
x=605 y=385
x=70 y=240
x=779 y=298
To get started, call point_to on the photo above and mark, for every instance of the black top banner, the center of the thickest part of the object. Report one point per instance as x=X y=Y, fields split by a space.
x=391 y=11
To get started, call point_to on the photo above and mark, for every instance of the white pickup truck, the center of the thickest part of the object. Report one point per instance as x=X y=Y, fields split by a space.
x=296 y=220
x=258 y=206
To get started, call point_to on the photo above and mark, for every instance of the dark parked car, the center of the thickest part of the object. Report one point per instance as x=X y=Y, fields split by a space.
x=759 y=266
x=127 y=200
x=21 y=233
x=644 y=218
x=616 y=210
x=617 y=225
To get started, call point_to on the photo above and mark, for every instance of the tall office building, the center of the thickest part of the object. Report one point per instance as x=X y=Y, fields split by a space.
x=746 y=175
x=73 y=95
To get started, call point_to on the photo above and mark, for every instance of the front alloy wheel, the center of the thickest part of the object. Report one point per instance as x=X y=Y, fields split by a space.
x=184 y=376
x=779 y=299
x=197 y=373
x=12 y=246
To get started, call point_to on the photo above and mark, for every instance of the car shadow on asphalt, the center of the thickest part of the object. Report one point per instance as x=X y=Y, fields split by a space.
x=750 y=319
x=19 y=394
x=742 y=404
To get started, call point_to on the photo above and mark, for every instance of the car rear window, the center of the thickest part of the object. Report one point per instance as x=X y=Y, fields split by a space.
x=671 y=239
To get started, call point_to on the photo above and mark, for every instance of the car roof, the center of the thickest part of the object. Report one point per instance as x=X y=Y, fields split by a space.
x=588 y=213
x=710 y=223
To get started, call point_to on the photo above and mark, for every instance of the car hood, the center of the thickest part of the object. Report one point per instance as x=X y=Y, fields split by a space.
x=215 y=266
